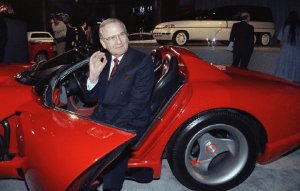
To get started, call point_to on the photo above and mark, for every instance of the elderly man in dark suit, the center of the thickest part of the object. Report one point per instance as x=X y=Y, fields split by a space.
x=242 y=34
x=121 y=80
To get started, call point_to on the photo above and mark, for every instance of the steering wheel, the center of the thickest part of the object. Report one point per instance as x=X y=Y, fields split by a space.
x=78 y=83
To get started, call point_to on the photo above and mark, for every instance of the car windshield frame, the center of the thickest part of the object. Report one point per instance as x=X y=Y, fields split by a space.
x=39 y=74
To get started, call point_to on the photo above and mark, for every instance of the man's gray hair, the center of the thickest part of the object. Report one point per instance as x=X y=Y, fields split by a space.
x=110 y=20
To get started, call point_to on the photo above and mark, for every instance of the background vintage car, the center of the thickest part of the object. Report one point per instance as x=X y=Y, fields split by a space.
x=212 y=142
x=215 y=25
x=41 y=46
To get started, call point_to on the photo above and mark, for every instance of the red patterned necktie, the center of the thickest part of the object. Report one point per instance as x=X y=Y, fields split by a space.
x=114 y=69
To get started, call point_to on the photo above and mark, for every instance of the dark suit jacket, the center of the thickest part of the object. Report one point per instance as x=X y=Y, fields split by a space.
x=70 y=37
x=242 y=34
x=82 y=39
x=125 y=100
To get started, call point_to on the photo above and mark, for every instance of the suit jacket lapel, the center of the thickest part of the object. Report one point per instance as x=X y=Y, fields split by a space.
x=115 y=82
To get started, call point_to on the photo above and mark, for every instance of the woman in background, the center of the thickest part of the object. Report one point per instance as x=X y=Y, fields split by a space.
x=288 y=63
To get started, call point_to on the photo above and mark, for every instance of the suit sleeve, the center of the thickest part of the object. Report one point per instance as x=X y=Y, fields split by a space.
x=232 y=33
x=91 y=95
x=140 y=93
x=251 y=36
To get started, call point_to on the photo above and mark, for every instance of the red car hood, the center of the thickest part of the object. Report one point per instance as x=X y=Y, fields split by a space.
x=13 y=94
x=8 y=71
x=12 y=98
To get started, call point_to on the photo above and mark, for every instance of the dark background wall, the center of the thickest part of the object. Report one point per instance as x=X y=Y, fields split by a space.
x=16 y=50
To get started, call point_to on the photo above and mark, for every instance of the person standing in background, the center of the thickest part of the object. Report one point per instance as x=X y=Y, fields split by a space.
x=3 y=37
x=288 y=63
x=71 y=37
x=82 y=39
x=89 y=35
x=60 y=31
x=242 y=34
x=96 y=40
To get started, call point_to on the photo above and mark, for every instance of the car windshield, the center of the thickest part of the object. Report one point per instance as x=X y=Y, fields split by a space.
x=40 y=35
x=44 y=71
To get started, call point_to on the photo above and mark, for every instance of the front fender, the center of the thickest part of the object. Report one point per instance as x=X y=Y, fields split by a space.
x=12 y=98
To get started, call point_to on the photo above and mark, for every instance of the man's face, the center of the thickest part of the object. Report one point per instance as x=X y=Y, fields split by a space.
x=115 y=41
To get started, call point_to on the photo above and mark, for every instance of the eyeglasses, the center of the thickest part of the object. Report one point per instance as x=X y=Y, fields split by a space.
x=113 y=38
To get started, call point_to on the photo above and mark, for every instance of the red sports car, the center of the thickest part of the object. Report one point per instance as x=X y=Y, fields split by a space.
x=212 y=123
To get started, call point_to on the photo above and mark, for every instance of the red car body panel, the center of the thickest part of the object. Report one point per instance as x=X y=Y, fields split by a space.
x=36 y=47
x=8 y=71
x=49 y=151
x=221 y=87
x=38 y=146
x=69 y=144
x=86 y=143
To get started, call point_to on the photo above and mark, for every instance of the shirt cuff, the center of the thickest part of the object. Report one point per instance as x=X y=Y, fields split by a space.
x=89 y=85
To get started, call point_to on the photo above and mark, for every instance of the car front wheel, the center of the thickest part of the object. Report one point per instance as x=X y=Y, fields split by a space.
x=180 y=38
x=213 y=151
x=40 y=57
x=265 y=39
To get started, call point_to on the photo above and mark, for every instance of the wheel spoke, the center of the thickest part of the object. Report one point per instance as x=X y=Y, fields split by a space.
x=181 y=38
x=265 y=39
x=210 y=147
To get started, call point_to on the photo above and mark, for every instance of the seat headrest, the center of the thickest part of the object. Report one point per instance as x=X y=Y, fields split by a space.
x=167 y=83
x=157 y=59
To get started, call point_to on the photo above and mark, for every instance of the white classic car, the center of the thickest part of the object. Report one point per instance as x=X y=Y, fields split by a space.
x=215 y=25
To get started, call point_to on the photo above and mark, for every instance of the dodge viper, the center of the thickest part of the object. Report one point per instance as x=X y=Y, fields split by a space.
x=212 y=122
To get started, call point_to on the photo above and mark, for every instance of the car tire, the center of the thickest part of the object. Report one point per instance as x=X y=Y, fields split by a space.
x=265 y=39
x=162 y=42
x=180 y=38
x=40 y=57
x=213 y=151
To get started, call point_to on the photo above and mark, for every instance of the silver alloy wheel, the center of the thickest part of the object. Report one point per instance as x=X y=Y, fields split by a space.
x=40 y=57
x=265 y=39
x=212 y=159
x=181 y=38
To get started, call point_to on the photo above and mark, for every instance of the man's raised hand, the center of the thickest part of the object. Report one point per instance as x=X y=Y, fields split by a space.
x=97 y=63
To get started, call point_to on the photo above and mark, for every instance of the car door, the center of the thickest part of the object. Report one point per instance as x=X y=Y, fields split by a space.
x=224 y=33
x=61 y=151
x=207 y=26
